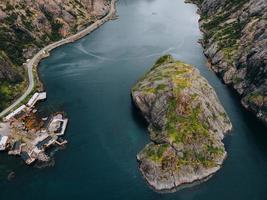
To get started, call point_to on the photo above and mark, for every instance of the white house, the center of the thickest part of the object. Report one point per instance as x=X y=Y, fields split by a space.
x=36 y=97
x=3 y=142
x=33 y=99
x=17 y=111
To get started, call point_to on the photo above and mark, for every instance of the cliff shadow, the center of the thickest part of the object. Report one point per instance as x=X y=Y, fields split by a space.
x=138 y=117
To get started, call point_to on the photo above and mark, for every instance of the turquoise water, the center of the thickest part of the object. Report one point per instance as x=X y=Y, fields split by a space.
x=91 y=80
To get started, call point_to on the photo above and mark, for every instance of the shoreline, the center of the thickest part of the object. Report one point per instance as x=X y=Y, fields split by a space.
x=32 y=64
x=186 y=184
x=257 y=114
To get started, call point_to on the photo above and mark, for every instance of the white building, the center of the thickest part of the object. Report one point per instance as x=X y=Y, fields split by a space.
x=17 y=111
x=3 y=142
x=33 y=99
x=36 y=97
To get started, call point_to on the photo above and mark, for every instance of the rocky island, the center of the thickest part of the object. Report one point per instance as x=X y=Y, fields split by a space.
x=187 y=124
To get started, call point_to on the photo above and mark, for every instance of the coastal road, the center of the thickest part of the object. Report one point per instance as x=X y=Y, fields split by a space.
x=44 y=53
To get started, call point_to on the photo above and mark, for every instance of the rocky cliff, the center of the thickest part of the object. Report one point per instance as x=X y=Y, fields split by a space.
x=186 y=125
x=235 y=41
x=26 y=26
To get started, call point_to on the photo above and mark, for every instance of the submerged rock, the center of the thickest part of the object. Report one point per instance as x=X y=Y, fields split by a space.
x=11 y=176
x=186 y=124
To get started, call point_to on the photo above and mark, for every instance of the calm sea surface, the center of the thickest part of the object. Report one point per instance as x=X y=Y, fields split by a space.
x=91 y=80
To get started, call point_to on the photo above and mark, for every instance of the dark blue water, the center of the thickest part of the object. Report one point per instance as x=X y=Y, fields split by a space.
x=91 y=80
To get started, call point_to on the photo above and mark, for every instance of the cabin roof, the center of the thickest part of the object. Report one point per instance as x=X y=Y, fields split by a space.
x=3 y=140
x=25 y=156
x=16 y=145
x=43 y=142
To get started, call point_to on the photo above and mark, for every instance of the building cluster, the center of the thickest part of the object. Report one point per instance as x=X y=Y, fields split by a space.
x=23 y=134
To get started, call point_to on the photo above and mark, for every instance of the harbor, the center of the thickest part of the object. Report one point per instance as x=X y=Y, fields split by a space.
x=23 y=133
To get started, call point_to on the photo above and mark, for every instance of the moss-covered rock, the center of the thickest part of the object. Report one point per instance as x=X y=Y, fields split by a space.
x=186 y=124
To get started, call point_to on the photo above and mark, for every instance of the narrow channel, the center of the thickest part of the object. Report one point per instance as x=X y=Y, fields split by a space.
x=91 y=80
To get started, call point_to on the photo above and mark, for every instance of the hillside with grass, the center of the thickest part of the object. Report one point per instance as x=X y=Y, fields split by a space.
x=235 y=41
x=27 y=26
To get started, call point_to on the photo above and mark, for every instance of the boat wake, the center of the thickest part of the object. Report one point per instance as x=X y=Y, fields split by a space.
x=92 y=54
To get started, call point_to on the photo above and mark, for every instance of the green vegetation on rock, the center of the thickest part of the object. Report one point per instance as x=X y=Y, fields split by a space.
x=235 y=43
x=186 y=119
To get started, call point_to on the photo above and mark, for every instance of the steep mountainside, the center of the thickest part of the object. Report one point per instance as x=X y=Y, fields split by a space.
x=186 y=124
x=235 y=41
x=27 y=25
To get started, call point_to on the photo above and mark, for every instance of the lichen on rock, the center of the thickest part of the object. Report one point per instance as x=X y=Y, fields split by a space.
x=186 y=124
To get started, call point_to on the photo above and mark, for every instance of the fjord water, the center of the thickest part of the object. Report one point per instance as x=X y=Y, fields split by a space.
x=91 y=80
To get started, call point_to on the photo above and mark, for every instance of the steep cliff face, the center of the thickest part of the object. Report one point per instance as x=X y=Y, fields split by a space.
x=235 y=41
x=26 y=26
x=186 y=124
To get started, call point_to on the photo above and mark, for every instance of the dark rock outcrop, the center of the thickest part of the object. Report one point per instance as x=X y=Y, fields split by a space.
x=186 y=124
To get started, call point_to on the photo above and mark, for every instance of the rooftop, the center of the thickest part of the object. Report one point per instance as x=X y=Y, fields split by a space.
x=40 y=144
x=25 y=156
x=16 y=145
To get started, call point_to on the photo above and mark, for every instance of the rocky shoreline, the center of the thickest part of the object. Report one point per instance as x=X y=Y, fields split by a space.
x=235 y=43
x=186 y=125
x=184 y=182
